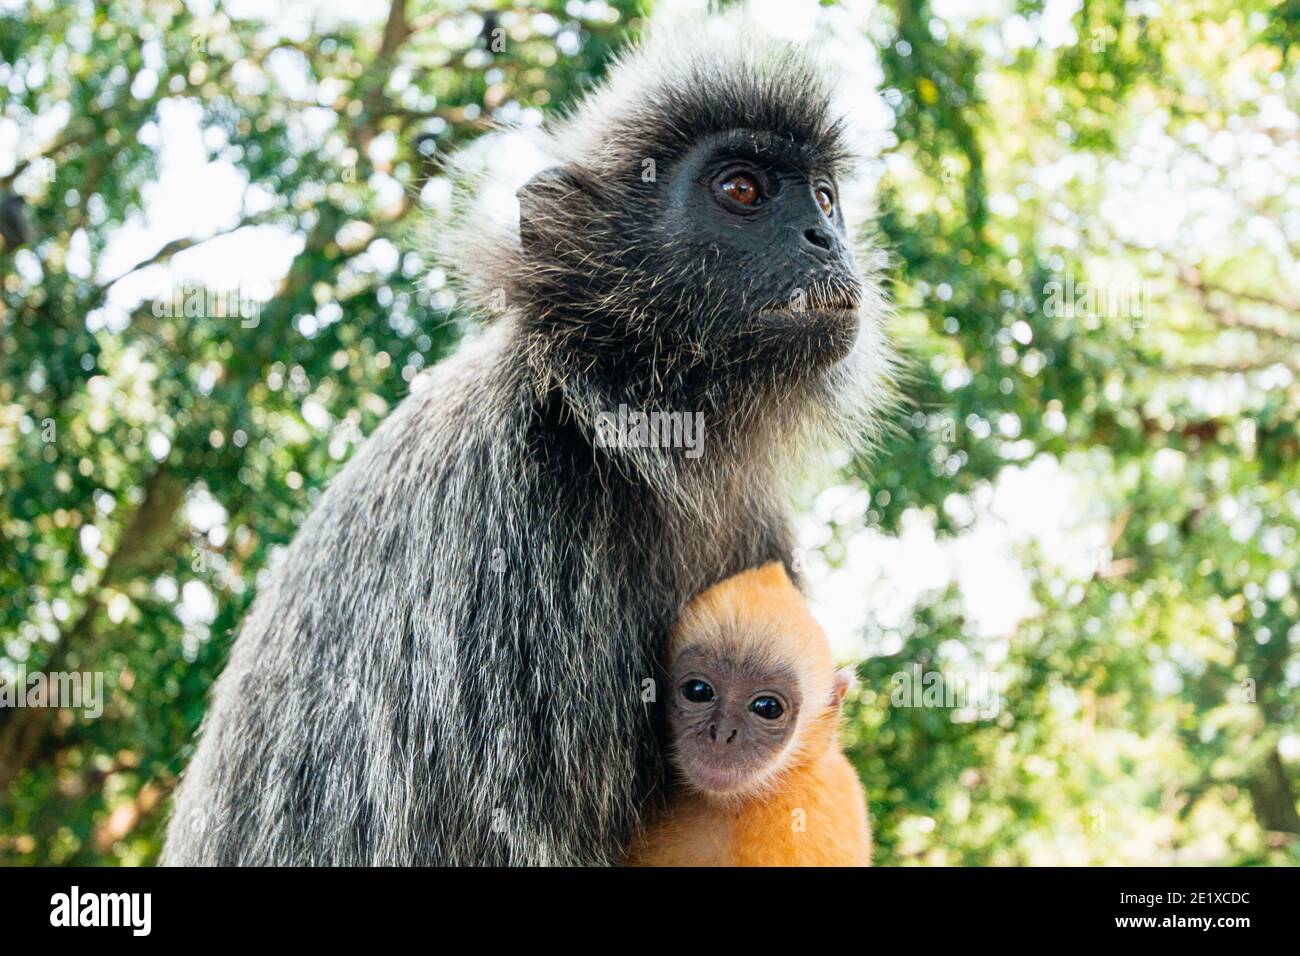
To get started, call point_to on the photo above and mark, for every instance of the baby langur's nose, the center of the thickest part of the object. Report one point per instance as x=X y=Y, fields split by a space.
x=723 y=735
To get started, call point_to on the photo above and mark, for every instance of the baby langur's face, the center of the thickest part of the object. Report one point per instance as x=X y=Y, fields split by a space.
x=731 y=719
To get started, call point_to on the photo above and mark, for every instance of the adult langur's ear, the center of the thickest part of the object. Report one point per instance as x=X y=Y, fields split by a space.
x=540 y=199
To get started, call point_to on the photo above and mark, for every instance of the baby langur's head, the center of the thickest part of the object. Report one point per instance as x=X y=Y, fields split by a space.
x=754 y=690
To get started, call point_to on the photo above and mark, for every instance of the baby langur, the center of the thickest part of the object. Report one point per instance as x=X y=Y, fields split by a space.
x=753 y=735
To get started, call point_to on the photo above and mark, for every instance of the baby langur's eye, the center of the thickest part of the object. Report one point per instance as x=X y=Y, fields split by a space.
x=697 y=692
x=826 y=200
x=741 y=188
x=769 y=708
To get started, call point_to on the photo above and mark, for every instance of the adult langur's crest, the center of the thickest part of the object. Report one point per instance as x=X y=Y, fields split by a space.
x=611 y=251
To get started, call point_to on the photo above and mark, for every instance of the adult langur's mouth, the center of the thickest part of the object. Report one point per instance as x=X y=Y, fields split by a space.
x=807 y=316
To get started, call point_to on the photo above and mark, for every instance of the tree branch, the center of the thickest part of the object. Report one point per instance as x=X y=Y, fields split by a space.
x=179 y=245
x=1229 y=317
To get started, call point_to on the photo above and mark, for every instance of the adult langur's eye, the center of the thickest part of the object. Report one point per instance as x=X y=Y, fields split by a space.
x=741 y=188
x=697 y=692
x=826 y=200
x=769 y=708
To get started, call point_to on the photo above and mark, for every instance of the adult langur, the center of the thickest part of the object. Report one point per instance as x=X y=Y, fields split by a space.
x=455 y=662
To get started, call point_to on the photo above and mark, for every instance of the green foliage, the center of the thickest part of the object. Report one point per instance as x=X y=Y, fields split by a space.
x=152 y=465
x=1146 y=700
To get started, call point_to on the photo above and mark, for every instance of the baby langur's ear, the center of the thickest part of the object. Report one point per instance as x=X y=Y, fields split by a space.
x=843 y=680
x=539 y=199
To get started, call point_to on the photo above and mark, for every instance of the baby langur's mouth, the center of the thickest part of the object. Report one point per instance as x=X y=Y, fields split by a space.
x=716 y=777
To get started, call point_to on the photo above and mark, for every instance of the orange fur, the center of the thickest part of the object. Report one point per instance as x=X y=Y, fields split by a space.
x=813 y=813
